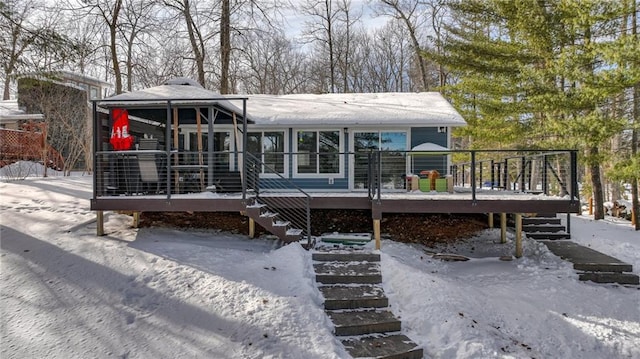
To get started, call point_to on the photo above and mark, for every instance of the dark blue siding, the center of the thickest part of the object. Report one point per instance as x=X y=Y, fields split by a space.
x=422 y=135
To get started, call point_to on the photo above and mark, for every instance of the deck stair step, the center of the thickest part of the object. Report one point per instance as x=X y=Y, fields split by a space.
x=272 y=222
x=548 y=228
x=355 y=301
x=360 y=322
x=592 y=265
x=540 y=220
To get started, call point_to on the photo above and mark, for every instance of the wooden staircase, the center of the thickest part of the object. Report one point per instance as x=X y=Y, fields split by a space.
x=544 y=227
x=350 y=282
x=273 y=223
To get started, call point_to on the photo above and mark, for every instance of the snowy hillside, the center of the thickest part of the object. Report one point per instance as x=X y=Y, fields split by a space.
x=161 y=293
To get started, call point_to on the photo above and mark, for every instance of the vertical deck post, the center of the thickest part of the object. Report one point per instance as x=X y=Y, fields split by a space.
x=472 y=180
x=523 y=167
x=490 y=220
x=503 y=228
x=100 y=223
x=376 y=232
x=569 y=223
x=252 y=228
x=518 y=235
x=136 y=219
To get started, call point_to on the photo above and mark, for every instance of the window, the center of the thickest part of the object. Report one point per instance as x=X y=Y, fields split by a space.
x=269 y=148
x=94 y=93
x=318 y=152
x=393 y=157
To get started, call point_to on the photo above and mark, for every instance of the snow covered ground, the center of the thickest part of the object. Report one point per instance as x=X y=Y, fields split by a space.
x=162 y=293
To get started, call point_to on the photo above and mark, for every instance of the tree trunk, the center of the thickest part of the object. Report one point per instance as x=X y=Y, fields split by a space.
x=225 y=46
x=113 y=29
x=596 y=182
x=634 y=134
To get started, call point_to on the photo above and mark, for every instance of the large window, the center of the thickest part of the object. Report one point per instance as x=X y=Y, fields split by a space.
x=318 y=152
x=269 y=148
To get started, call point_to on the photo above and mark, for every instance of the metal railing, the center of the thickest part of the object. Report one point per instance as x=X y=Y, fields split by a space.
x=156 y=172
x=278 y=194
x=552 y=173
x=476 y=172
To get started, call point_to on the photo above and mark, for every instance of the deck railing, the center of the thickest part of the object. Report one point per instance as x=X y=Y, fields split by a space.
x=278 y=194
x=477 y=172
x=552 y=173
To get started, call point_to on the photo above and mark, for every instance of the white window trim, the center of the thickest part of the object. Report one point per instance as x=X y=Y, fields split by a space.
x=353 y=131
x=285 y=133
x=340 y=173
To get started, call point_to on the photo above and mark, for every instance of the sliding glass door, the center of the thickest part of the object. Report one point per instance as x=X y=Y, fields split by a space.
x=393 y=160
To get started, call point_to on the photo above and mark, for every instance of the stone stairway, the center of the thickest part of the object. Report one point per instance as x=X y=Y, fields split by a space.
x=546 y=227
x=592 y=265
x=350 y=281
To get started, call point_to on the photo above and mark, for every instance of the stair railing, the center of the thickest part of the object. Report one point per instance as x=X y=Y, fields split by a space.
x=278 y=194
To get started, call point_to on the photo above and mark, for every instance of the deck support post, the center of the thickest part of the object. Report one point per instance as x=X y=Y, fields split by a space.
x=518 y=235
x=136 y=219
x=376 y=232
x=490 y=220
x=252 y=228
x=100 y=223
x=503 y=228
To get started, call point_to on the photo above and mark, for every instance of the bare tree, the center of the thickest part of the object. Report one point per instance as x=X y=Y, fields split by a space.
x=138 y=18
x=321 y=30
x=65 y=111
x=409 y=13
x=195 y=34
x=31 y=40
x=272 y=64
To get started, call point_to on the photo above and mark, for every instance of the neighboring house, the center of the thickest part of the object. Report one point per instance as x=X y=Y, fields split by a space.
x=22 y=138
x=63 y=99
x=180 y=147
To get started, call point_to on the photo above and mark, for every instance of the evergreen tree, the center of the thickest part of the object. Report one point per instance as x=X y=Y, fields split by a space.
x=541 y=74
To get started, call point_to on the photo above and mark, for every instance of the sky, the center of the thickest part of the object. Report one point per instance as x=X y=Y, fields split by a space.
x=168 y=293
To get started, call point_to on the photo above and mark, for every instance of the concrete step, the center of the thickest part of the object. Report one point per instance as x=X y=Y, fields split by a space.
x=396 y=346
x=586 y=259
x=359 y=322
x=353 y=297
x=611 y=277
x=348 y=273
x=540 y=220
x=548 y=235
x=345 y=257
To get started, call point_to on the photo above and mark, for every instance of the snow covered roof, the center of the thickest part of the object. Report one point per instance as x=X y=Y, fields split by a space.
x=183 y=93
x=360 y=109
x=10 y=111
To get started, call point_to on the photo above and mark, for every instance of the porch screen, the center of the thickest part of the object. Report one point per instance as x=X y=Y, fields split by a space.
x=318 y=152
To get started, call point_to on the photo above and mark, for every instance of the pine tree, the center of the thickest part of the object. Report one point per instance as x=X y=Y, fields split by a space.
x=541 y=74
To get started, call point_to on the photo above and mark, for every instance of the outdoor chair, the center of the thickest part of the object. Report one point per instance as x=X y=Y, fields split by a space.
x=147 y=163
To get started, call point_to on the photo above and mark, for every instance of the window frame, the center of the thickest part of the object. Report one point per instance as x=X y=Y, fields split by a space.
x=285 y=152
x=318 y=174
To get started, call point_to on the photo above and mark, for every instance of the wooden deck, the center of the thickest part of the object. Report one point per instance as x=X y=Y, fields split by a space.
x=489 y=201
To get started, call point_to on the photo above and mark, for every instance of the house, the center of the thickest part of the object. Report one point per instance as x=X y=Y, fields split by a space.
x=180 y=147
